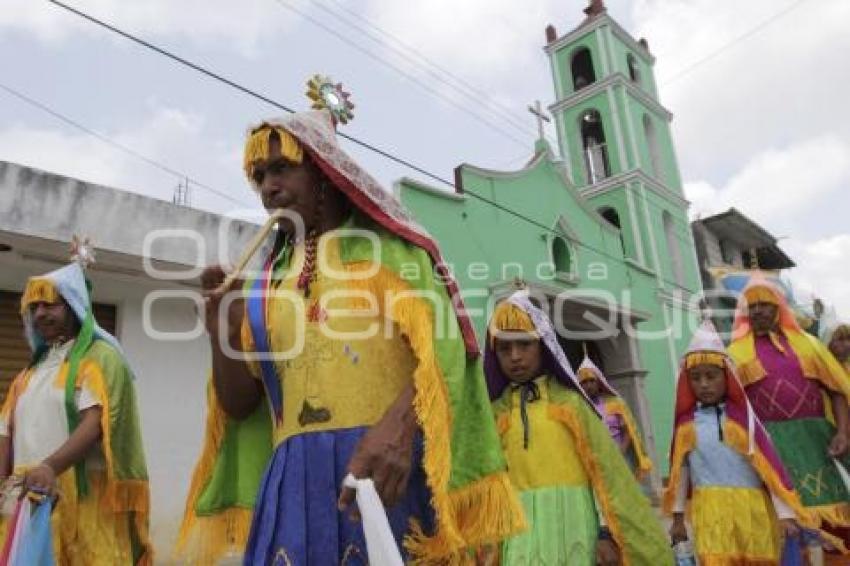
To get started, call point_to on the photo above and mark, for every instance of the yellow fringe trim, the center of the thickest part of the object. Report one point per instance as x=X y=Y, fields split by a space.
x=119 y=495
x=644 y=463
x=694 y=359
x=734 y=560
x=414 y=318
x=213 y=538
x=837 y=514
x=38 y=290
x=205 y=540
x=507 y=317
x=760 y=294
x=19 y=384
x=684 y=441
x=816 y=362
x=503 y=423
x=585 y=374
x=737 y=437
x=486 y=510
x=191 y=528
x=257 y=148
x=588 y=458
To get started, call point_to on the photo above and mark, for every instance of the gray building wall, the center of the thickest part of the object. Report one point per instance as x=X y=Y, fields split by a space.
x=40 y=212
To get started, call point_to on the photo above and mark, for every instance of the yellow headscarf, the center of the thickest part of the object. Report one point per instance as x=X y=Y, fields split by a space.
x=507 y=317
x=815 y=360
x=38 y=290
x=693 y=359
x=258 y=148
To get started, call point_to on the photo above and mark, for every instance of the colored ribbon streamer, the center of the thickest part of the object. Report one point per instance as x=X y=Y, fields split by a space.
x=529 y=392
x=256 y=307
x=36 y=547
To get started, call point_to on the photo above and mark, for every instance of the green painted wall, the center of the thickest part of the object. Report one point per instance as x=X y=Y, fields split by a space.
x=488 y=247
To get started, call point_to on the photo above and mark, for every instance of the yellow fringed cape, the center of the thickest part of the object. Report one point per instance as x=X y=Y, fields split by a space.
x=736 y=437
x=124 y=491
x=616 y=406
x=816 y=361
x=472 y=497
x=628 y=513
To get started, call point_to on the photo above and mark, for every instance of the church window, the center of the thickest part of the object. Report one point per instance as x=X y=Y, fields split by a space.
x=634 y=68
x=561 y=255
x=582 y=69
x=595 y=149
x=610 y=214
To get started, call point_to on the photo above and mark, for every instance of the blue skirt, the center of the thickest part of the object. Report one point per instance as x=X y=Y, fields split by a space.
x=296 y=521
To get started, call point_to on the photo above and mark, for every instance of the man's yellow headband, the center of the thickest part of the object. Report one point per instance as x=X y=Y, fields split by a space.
x=258 y=148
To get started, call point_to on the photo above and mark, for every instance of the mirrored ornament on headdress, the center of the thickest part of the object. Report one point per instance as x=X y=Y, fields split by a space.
x=327 y=95
x=82 y=251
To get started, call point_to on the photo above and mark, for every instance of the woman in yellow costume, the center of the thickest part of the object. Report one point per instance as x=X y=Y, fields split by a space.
x=742 y=502
x=582 y=502
x=70 y=426
x=358 y=360
x=800 y=392
x=618 y=417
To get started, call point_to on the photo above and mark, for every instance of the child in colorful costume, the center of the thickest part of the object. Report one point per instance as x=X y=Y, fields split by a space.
x=70 y=426
x=800 y=392
x=616 y=413
x=582 y=501
x=403 y=368
x=741 y=499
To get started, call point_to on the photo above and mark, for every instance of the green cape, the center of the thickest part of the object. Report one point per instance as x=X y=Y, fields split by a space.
x=471 y=492
x=633 y=523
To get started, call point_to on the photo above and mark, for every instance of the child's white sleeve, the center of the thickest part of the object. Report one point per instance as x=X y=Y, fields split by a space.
x=783 y=511
x=681 y=498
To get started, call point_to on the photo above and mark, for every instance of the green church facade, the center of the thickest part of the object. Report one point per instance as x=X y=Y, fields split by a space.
x=597 y=231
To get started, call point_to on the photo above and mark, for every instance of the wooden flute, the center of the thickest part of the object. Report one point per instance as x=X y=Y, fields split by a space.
x=252 y=248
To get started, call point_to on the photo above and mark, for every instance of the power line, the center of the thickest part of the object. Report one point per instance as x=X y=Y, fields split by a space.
x=366 y=145
x=123 y=148
x=410 y=55
x=243 y=89
x=396 y=68
x=689 y=68
x=430 y=68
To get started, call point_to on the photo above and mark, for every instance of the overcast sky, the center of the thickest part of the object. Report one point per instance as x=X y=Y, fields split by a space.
x=758 y=90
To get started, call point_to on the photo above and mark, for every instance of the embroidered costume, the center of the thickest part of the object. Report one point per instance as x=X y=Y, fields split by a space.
x=618 y=418
x=788 y=376
x=571 y=476
x=722 y=459
x=102 y=514
x=376 y=316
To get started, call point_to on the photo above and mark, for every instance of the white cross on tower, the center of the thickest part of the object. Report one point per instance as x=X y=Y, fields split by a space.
x=537 y=110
